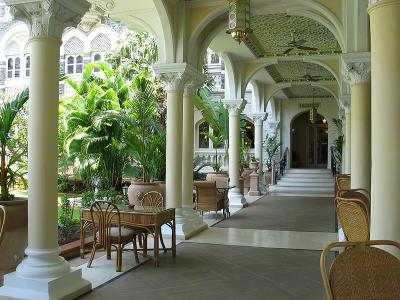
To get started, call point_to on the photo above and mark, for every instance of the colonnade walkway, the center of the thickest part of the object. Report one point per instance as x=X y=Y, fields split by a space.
x=268 y=250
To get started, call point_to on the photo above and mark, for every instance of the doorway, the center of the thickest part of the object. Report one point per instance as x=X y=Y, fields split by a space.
x=309 y=142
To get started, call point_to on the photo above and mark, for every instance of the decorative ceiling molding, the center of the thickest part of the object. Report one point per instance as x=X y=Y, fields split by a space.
x=297 y=71
x=274 y=32
x=306 y=91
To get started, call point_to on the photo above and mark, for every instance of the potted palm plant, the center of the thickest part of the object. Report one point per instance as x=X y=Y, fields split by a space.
x=15 y=231
x=271 y=146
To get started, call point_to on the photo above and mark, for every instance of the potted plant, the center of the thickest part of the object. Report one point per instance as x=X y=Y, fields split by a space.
x=271 y=146
x=15 y=237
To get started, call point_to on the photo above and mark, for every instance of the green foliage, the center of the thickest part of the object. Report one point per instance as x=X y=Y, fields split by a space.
x=271 y=146
x=337 y=146
x=68 y=224
x=107 y=195
x=198 y=164
x=14 y=168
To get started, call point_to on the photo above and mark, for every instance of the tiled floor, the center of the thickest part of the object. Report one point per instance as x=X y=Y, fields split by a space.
x=253 y=255
x=203 y=271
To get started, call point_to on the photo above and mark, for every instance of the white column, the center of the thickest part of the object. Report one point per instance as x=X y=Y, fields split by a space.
x=385 y=59
x=176 y=76
x=236 y=199
x=194 y=222
x=258 y=119
x=346 y=100
x=43 y=274
x=357 y=70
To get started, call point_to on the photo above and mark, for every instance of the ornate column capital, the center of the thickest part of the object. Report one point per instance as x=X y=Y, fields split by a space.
x=48 y=18
x=342 y=114
x=259 y=118
x=234 y=106
x=356 y=67
x=194 y=82
x=175 y=75
x=345 y=103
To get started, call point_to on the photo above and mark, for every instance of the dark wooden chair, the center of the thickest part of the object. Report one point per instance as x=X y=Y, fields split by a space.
x=108 y=232
x=362 y=271
x=208 y=198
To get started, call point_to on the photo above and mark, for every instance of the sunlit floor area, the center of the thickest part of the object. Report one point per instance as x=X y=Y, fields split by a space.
x=235 y=258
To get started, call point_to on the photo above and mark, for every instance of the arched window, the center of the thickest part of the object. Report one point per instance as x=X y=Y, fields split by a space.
x=79 y=64
x=27 y=66
x=17 y=67
x=70 y=65
x=203 y=139
x=10 y=67
x=96 y=58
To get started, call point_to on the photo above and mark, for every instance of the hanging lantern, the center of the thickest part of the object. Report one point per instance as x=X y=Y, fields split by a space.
x=313 y=110
x=239 y=19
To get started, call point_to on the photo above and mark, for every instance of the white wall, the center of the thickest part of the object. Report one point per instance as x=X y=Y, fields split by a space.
x=290 y=109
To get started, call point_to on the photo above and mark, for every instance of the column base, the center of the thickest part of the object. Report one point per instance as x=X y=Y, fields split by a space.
x=44 y=275
x=188 y=223
x=236 y=199
x=70 y=286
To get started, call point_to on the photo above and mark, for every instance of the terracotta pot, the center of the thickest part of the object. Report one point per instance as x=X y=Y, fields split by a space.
x=141 y=187
x=268 y=177
x=162 y=187
x=15 y=237
x=221 y=178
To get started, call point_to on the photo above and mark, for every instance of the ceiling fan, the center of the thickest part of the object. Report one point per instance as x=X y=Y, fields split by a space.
x=297 y=44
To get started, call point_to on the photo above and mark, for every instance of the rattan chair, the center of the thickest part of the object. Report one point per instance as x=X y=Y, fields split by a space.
x=342 y=182
x=208 y=198
x=108 y=232
x=152 y=199
x=2 y=221
x=361 y=272
x=353 y=212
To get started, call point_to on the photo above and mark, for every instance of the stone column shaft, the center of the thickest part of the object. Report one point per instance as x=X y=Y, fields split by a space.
x=357 y=70
x=43 y=274
x=348 y=143
x=236 y=199
x=385 y=138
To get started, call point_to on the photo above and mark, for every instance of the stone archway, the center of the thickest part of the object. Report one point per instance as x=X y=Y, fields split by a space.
x=309 y=142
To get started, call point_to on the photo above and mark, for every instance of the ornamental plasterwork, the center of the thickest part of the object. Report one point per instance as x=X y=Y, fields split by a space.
x=234 y=107
x=174 y=80
x=48 y=17
x=306 y=91
x=91 y=18
x=259 y=118
x=274 y=32
x=345 y=102
x=105 y=5
x=294 y=71
x=194 y=82
x=357 y=72
x=177 y=75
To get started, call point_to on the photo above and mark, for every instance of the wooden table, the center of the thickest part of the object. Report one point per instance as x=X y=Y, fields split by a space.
x=151 y=219
x=225 y=190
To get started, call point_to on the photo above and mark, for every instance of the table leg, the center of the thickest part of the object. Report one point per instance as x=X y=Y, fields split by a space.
x=173 y=239
x=156 y=245
x=82 y=237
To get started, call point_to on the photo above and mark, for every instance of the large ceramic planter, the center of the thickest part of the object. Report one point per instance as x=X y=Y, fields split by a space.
x=268 y=178
x=221 y=178
x=246 y=179
x=162 y=187
x=137 y=187
x=15 y=237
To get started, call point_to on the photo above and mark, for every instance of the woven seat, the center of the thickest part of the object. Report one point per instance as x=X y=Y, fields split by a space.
x=353 y=212
x=108 y=232
x=208 y=198
x=342 y=182
x=362 y=272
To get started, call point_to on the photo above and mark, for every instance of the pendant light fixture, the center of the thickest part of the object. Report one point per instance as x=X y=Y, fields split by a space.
x=239 y=19
x=313 y=110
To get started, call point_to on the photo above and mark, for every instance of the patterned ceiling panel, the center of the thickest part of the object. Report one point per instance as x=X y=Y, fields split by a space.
x=306 y=91
x=290 y=71
x=274 y=32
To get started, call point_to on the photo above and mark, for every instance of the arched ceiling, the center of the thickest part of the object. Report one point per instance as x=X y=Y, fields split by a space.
x=296 y=71
x=306 y=91
x=272 y=33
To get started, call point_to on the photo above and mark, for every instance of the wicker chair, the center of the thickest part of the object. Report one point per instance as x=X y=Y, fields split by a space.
x=2 y=221
x=152 y=199
x=353 y=211
x=362 y=272
x=108 y=232
x=342 y=182
x=209 y=199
